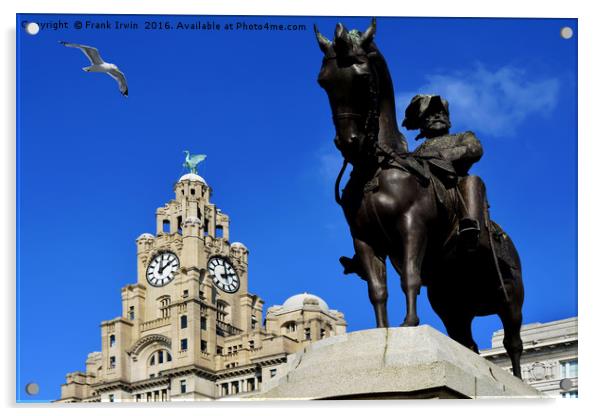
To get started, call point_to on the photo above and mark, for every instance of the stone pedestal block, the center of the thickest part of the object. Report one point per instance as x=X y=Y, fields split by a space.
x=391 y=363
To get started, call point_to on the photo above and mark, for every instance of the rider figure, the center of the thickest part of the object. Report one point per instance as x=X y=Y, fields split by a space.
x=450 y=155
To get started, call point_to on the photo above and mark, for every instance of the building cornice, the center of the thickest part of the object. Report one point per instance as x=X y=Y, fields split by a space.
x=190 y=369
x=500 y=351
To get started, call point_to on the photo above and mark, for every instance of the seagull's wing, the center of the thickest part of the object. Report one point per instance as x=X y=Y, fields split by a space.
x=118 y=76
x=89 y=51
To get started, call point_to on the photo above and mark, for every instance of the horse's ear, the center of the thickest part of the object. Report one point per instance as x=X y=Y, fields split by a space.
x=323 y=41
x=342 y=40
x=368 y=35
x=341 y=33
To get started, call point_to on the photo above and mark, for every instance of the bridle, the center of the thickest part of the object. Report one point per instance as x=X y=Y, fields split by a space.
x=371 y=123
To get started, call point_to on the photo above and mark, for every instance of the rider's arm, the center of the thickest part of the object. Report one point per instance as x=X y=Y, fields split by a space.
x=465 y=153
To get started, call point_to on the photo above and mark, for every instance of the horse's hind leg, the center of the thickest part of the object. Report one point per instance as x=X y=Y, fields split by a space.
x=376 y=276
x=459 y=328
x=512 y=319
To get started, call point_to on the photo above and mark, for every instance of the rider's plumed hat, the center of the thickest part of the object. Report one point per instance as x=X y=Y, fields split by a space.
x=418 y=107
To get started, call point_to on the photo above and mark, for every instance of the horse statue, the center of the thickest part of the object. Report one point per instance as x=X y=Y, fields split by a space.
x=192 y=161
x=393 y=211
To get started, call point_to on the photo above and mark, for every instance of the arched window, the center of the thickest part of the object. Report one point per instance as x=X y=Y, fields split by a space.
x=159 y=357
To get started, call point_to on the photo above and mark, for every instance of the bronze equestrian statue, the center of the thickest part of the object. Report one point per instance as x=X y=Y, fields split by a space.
x=421 y=209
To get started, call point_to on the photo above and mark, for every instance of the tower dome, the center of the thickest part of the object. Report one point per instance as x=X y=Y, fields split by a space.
x=301 y=300
x=193 y=177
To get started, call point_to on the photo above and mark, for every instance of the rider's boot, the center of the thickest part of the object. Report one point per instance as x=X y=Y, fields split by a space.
x=472 y=218
x=352 y=266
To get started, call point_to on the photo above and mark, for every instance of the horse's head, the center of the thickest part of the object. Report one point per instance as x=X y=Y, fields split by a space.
x=348 y=79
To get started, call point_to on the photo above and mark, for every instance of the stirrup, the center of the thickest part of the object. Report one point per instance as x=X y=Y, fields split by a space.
x=468 y=233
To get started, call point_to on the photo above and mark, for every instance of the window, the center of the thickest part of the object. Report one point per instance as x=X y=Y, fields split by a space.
x=131 y=314
x=192 y=191
x=182 y=386
x=569 y=369
x=307 y=334
x=203 y=345
x=322 y=333
x=253 y=322
x=219 y=231
x=180 y=225
x=183 y=321
x=235 y=388
x=206 y=227
x=111 y=397
x=570 y=395
x=290 y=327
x=152 y=375
x=185 y=293
x=112 y=341
x=251 y=344
x=225 y=389
x=221 y=311
x=159 y=357
x=203 y=323
x=166 y=226
x=112 y=362
x=273 y=372
x=184 y=344
x=219 y=350
x=164 y=303
x=138 y=397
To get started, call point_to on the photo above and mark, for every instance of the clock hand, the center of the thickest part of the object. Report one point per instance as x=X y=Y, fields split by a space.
x=165 y=266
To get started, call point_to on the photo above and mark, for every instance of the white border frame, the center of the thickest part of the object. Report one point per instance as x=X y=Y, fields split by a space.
x=590 y=70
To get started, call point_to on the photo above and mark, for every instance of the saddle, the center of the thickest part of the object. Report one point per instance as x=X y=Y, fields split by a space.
x=427 y=170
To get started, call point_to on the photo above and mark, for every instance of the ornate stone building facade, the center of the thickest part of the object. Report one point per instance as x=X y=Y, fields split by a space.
x=549 y=362
x=189 y=328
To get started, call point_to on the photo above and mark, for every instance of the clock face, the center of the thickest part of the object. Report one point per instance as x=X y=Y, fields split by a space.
x=162 y=269
x=223 y=274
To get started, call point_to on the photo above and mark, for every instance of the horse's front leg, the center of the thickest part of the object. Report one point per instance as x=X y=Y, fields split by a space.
x=407 y=261
x=375 y=274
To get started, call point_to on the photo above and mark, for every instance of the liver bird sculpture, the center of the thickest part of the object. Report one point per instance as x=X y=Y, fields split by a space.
x=192 y=161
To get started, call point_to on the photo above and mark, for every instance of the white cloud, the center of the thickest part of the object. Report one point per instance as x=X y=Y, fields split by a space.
x=492 y=102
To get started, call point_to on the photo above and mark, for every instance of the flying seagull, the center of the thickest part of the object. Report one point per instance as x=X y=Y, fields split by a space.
x=98 y=65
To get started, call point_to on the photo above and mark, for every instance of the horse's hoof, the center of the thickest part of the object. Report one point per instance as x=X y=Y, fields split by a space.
x=410 y=322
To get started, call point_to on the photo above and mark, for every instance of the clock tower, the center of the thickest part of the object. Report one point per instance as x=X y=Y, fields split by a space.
x=189 y=271
x=189 y=328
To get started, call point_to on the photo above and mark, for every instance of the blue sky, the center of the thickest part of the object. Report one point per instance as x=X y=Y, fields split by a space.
x=93 y=166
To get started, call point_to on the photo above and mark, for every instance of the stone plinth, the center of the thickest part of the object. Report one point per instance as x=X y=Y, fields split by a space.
x=391 y=363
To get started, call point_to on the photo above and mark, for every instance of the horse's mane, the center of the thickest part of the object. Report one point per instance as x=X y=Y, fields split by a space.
x=388 y=132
